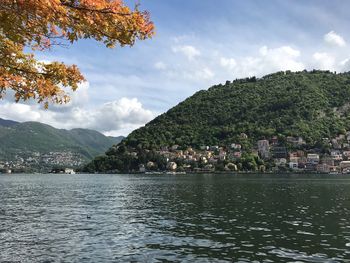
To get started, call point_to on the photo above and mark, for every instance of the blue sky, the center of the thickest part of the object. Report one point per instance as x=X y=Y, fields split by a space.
x=197 y=44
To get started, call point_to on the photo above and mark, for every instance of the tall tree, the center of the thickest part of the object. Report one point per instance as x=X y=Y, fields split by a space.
x=38 y=25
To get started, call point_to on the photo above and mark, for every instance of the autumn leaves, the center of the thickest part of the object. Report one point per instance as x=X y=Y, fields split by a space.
x=44 y=24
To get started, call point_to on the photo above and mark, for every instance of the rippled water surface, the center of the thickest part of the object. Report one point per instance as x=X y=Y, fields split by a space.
x=196 y=218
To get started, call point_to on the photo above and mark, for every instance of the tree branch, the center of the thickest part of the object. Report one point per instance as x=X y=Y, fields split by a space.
x=102 y=11
x=26 y=71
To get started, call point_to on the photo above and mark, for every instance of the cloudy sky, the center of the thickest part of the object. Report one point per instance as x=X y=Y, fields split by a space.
x=197 y=44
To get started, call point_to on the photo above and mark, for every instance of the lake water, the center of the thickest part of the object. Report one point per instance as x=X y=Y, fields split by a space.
x=196 y=218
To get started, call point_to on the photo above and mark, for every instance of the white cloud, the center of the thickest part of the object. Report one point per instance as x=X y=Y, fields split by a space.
x=323 y=61
x=284 y=52
x=334 y=39
x=268 y=60
x=116 y=117
x=204 y=73
x=120 y=114
x=345 y=64
x=229 y=63
x=160 y=65
x=113 y=108
x=263 y=50
x=19 y=112
x=78 y=98
x=189 y=51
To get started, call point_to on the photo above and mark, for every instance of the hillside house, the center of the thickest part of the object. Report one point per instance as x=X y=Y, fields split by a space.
x=274 y=140
x=296 y=141
x=279 y=152
x=328 y=160
x=336 y=155
x=171 y=166
x=313 y=158
x=264 y=149
x=344 y=165
x=294 y=159
x=293 y=165
x=142 y=168
x=174 y=147
x=236 y=146
x=222 y=155
x=244 y=136
x=322 y=168
x=336 y=144
x=280 y=161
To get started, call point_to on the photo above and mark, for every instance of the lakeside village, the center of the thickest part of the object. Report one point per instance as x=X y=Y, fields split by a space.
x=291 y=154
x=54 y=162
x=268 y=155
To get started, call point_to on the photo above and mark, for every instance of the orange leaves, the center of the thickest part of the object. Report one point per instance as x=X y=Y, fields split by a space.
x=30 y=79
x=41 y=24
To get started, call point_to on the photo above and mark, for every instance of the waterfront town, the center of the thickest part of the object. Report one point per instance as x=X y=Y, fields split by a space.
x=268 y=155
x=292 y=154
x=41 y=162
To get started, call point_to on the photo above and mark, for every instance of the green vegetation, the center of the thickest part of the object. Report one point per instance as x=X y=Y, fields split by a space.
x=313 y=105
x=7 y=123
x=296 y=104
x=29 y=137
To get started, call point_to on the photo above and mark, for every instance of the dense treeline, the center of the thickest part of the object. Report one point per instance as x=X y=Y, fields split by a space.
x=308 y=104
x=119 y=159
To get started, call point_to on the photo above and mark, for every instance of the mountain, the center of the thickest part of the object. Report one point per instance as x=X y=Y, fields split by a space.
x=313 y=105
x=116 y=138
x=33 y=143
x=308 y=104
x=7 y=123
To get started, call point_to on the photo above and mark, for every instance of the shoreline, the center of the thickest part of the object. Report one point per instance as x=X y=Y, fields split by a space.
x=186 y=173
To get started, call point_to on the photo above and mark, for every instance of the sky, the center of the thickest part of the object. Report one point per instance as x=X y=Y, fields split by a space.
x=198 y=43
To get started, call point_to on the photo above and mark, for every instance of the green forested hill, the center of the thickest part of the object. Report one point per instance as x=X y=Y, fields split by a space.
x=29 y=137
x=308 y=104
x=313 y=105
x=7 y=123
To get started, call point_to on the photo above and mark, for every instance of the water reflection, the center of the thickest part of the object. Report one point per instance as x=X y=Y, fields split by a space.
x=204 y=218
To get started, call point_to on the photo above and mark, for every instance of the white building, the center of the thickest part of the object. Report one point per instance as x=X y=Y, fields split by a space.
x=236 y=146
x=293 y=165
x=313 y=158
x=344 y=164
x=142 y=168
x=69 y=171
x=280 y=161
x=264 y=148
x=171 y=166
x=336 y=155
x=222 y=155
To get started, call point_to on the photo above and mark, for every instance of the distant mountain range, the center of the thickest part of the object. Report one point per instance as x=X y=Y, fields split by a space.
x=20 y=142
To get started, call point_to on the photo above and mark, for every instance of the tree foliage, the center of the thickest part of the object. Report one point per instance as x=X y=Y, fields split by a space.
x=312 y=105
x=39 y=25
